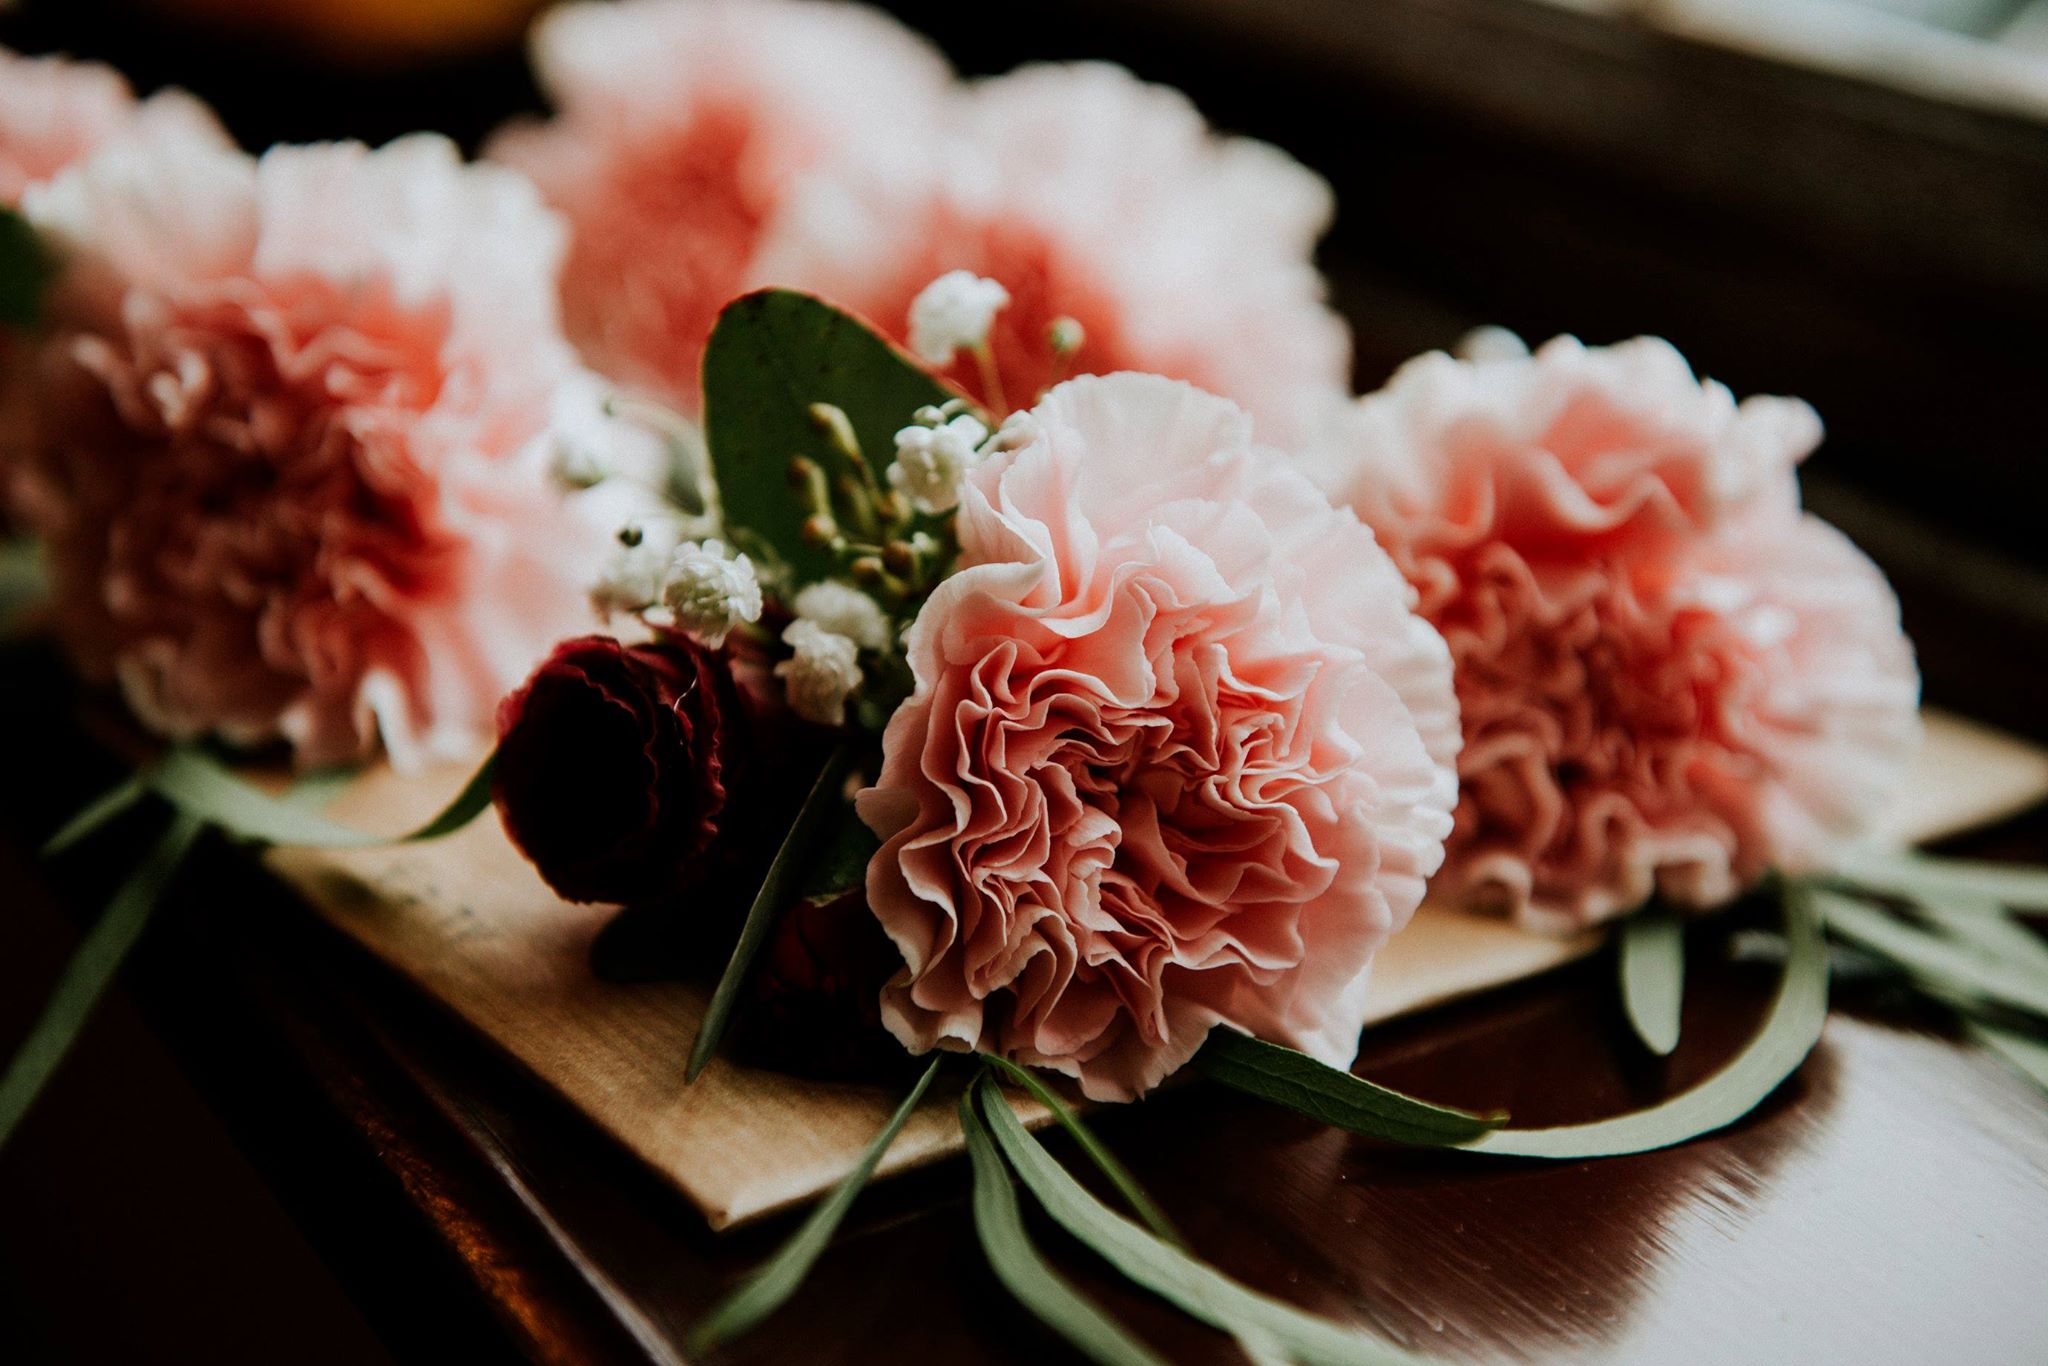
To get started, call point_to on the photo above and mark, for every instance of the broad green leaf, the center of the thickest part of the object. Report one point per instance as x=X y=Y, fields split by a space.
x=87 y=975
x=1119 y=1175
x=842 y=864
x=775 y=1280
x=1789 y=1031
x=772 y=355
x=1332 y=1095
x=2021 y=983
x=1923 y=877
x=1195 y=1287
x=195 y=782
x=97 y=813
x=1000 y=1226
x=24 y=270
x=777 y=891
x=1653 y=975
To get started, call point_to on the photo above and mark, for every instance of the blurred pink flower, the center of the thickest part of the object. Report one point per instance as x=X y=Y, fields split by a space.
x=682 y=126
x=1672 y=680
x=1089 y=194
x=285 y=436
x=54 y=111
x=1179 y=753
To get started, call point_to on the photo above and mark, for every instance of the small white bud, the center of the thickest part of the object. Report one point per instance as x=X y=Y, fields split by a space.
x=820 y=674
x=709 y=593
x=844 y=610
x=1065 y=336
x=953 y=313
x=931 y=462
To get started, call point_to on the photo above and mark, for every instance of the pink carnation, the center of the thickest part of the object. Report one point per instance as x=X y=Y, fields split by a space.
x=1672 y=680
x=1089 y=194
x=681 y=129
x=54 y=111
x=1179 y=753
x=285 y=439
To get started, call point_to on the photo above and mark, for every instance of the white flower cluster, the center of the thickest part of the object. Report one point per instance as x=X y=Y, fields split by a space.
x=707 y=591
x=937 y=451
x=953 y=314
x=834 y=623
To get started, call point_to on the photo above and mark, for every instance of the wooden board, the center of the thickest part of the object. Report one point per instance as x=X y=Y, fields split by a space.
x=467 y=921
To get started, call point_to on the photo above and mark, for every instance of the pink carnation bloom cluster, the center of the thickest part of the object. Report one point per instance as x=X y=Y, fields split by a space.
x=682 y=129
x=704 y=147
x=54 y=111
x=1179 y=753
x=285 y=439
x=1671 y=678
x=1091 y=195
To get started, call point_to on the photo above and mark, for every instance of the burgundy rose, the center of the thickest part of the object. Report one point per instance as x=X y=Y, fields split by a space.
x=616 y=765
x=814 y=1004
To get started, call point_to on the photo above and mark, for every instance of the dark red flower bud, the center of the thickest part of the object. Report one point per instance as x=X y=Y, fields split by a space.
x=616 y=765
x=814 y=1004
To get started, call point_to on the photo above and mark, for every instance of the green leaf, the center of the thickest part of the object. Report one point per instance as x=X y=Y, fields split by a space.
x=842 y=864
x=24 y=579
x=1175 y=1276
x=1316 y=1089
x=97 y=813
x=196 y=782
x=87 y=975
x=772 y=355
x=1119 y=1175
x=1000 y=1226
x=1921 y=877
x=1789 y=1031
x=1939 y=958
x=776 y=892
x=1653 y=975
x=25 y=268
x=775 y=1280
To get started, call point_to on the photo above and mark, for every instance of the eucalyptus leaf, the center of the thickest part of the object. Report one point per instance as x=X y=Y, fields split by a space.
x=1119 y=1175
x=196 y=782
x=97 y=813
x=87 y=975
x=1941 y=958
x=842 y=862
x=25 y=268
x=1000 y=1226
x=1330 y=1094
x=1653 y=976
x=775 y=1280
x=771 y=356
x=777 y=890
x=1790 y=1030
x=1173 y=1274
x=1923 y=877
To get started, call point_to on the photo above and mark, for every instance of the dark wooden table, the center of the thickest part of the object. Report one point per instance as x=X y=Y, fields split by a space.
x=1890 y=1204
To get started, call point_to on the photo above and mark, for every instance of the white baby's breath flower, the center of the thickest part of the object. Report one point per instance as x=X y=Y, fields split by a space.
x=633 y=574
x=820 y=674
x=710 y=593
x=953 y=313
x=931 y=462
x=845 y=610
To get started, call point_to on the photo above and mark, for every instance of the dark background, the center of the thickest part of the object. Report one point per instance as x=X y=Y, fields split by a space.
x=1501 y=161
